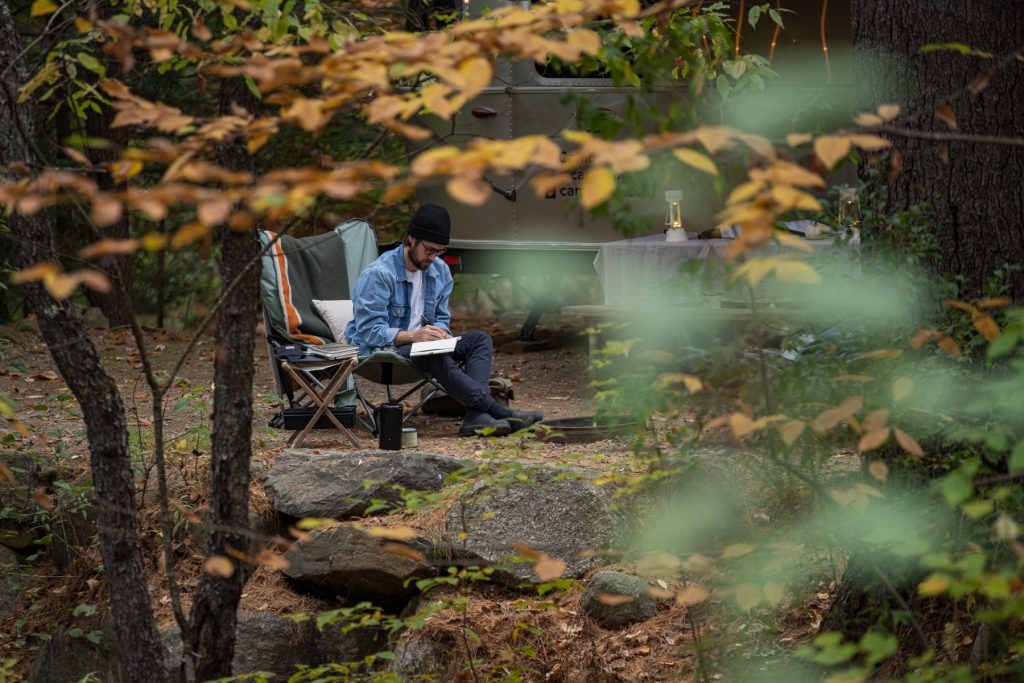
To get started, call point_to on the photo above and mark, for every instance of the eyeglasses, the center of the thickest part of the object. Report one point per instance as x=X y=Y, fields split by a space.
x=432 y=252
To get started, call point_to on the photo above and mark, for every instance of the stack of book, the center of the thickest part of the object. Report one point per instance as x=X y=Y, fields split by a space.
x=335 y=351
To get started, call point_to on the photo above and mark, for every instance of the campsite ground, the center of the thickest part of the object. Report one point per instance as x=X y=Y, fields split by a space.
x=555 y=380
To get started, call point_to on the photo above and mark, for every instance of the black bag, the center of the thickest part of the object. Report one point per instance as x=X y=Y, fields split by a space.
x=443 y=404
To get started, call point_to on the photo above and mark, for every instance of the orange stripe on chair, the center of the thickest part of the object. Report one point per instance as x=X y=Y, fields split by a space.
x=285 y=293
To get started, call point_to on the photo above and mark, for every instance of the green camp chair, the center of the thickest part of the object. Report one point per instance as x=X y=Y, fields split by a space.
x=294 y=273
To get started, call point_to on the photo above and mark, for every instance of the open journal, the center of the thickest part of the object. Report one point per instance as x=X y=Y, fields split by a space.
x=431 y=347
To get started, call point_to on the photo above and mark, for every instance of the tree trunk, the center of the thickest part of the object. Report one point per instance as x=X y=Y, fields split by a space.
x=976 y=190
x=106 y=426
x=214 y=610
x=115 y=304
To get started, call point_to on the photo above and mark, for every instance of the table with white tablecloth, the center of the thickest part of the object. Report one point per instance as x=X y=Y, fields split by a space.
x=654 y=271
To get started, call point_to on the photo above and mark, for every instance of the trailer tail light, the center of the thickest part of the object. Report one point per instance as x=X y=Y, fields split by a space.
x=483 y=112
x=453 y=260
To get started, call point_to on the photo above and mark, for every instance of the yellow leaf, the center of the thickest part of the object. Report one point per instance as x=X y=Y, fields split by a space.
x=793 y=241
x=692 y=384
x=998 y=302
x=986 y=325
x=933 y=585
x=867 y=119
x=831 y=149
x=869 y=142
x=189 y=233
x=797 y=139
x=744 y=192
x=947 y=344
x=741 y=425
x=876 y=419
x=82 y=24
x=791 y=431
x=786 y=173
x=908 y=444
x=1005 y=528
x=39 y=271
x=747 y=596
x=714 y=138
x=469 y=189
x=755 y=269
x=612 y=599
x=398 y=533
x=218 y=565
x=830 y=418
x=872 y=439
x=737 y=550
x=773 y=592
x=93 y=279
x=945 y=113
x=693 y=594
x=404 y=551
x=791 y=198
x=596 y=187
x=902 y=388
x=154 y=241
x=797 y=272
x=889 y=111
x=879 y=470
x=549 y=568
x=476 y=74
x=696 y=160
x=569 y=6
x=658 y=564
x=43 y=7
x=310 y=523
x=307 y=113
x=584 y=39
x=106 y=211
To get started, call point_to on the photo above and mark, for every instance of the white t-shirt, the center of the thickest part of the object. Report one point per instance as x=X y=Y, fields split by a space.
x=416 y=300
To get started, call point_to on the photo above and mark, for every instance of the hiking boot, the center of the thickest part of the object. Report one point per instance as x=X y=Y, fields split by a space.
x=521 y=419
x=477 y=425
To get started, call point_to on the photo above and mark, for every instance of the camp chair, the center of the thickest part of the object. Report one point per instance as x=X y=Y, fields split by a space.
x=294 y=272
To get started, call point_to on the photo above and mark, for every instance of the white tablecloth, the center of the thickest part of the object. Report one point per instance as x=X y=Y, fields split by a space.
x=652 y=271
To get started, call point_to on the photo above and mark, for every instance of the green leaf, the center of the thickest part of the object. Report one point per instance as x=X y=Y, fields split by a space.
x=753 y=15
x=878 y=646
x=956 y=487
x=1017 y=457
x=92 y=64
x=776 y=17
x=978 y=508
x=1003 y=344
x=76 y=632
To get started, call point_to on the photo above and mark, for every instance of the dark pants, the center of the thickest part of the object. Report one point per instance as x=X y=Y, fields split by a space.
x=466 y=384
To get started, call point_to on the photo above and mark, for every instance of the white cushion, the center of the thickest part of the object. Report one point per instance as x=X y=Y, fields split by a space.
x=336 y=313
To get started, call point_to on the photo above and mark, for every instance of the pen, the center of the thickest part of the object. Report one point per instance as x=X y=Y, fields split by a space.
x=424 y=322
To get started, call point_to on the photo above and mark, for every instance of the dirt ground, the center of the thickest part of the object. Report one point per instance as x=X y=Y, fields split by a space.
x=555 y=380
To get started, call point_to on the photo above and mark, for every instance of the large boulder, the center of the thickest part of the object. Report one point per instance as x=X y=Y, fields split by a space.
x=616 y=600
x=559 y=513
x=350 y=563
x=265 y=641
x=16 y=525
x=334 y=484
x=269 y=642
x=430 y=655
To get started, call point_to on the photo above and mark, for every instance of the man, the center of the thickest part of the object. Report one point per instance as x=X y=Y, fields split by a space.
x=402 y=298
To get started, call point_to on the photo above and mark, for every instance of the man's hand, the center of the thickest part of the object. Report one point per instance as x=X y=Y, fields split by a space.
x=425 y=333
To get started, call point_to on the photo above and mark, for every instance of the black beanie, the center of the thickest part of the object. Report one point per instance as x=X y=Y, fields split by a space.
x=431 y=223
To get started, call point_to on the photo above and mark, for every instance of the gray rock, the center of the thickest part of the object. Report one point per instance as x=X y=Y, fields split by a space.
x=617 y=615
x=331 y=483
x=16 y=528
x=268 y=642
x=432 y=656
x=10 y=581
x=64 y=658
x=555 y=512
x=350 y=563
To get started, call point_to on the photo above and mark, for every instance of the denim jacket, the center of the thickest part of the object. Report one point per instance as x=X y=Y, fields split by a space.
x=380 y=302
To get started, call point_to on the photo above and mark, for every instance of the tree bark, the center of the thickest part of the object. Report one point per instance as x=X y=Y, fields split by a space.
x=976 y=190
x=213 y=614
x=102 y=409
